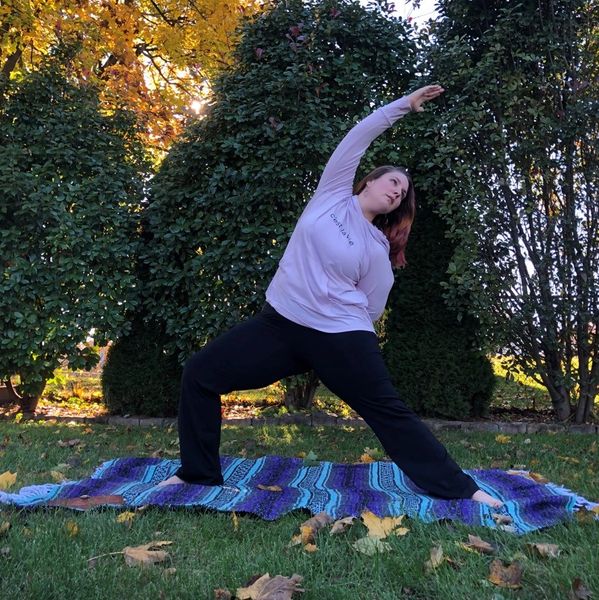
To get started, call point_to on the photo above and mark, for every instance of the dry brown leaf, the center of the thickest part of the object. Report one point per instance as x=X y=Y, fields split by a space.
x=501 y=519
x=222 y=594
x=435 y=560
x=267 y=588
x=477 y=544
x=4 y=527
x=70 y=443
x=583 y=515
x=382 y=527
x=7 y=480
x=269 y=488
x=579 y=591
x=145 y=554
x=366 y=458
x=544 y=550
x=508 y=576
x=310 y=547
x=537 y=477
x=169 y=571
x=342 y=525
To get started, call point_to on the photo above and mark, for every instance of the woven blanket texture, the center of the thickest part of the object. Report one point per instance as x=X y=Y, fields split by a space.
x=339 y=489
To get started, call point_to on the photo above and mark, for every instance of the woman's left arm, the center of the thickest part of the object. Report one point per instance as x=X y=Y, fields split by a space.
x=339 y=173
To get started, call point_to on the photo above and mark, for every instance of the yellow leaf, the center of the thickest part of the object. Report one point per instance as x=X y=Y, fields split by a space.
x=126 y=517
x=4 y=527
x=72 y=528
x=57 y=476
x=366 y=458
x=381 y=527
x=145 y=554
x=503 y=439
x=235 y=520
x=7 y=480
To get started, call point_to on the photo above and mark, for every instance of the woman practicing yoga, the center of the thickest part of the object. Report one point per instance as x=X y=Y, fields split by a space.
x=331 y=285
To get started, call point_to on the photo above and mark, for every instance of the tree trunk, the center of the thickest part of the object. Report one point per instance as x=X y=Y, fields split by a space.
x=300 y=390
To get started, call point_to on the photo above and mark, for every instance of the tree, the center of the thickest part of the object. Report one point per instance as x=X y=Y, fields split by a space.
x=153 y=57
x=519 y=142
x=71 y=188
x=227 y=197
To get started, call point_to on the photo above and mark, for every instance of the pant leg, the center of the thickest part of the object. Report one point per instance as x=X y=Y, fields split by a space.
x=253 y=354
x=351 y=365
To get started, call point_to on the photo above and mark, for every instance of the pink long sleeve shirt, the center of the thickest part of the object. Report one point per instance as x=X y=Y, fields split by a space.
x=335 y=274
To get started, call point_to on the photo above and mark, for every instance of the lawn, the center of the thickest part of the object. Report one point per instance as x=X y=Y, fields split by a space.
x=44 y=553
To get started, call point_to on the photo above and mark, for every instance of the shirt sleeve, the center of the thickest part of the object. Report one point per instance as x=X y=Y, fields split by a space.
x=338 y=175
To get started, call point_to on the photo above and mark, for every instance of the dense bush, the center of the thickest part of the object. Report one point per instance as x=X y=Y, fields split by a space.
x=139 y=376
x=432 y=355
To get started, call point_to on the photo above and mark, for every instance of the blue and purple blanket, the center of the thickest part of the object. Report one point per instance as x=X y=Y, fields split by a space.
x=339 y=489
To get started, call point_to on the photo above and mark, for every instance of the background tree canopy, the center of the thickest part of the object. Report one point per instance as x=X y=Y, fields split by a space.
x=71 y=183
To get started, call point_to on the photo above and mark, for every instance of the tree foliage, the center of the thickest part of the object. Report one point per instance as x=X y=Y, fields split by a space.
x=71 y=186
x=519 y=141
x=152 y=56
x=227 y=197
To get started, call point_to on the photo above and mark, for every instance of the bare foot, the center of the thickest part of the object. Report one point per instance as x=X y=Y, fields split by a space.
x=484 y=498
x=174 y=480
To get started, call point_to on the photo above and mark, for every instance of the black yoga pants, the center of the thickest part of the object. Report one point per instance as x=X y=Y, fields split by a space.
x=268 y=347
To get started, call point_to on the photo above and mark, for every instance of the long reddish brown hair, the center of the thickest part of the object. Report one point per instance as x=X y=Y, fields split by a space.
x=397 y=224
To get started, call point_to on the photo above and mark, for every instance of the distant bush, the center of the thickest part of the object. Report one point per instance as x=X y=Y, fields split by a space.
x=139 y=377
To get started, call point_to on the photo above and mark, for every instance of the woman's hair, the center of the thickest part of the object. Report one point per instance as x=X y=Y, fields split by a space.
x=395 y=225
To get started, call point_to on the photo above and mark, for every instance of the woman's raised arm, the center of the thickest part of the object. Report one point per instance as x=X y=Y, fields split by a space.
x=339 y=173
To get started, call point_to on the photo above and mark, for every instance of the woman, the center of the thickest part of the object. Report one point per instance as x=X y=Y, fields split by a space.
x=331 y=285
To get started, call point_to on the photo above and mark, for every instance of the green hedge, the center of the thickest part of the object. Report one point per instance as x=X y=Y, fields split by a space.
x=139 y=377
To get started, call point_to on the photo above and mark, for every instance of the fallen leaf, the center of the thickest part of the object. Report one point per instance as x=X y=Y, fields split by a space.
x=342 y=525
x=579 y=591
x=235 y=520
x=146 y=554
x=508 y=576
x=169 y=571
x=537 y=477
x=7 y=480
x=4 y=527
x=371 y=546
x=267 y=588
x=503 y=439
x=310 y=547
x=269 y=488
x=544 y=550
x=222 y=594
x=309 y=528
x=366 y=458
x=72 y=528
x=70 y=443
x=126 y=517
x=501 y=519
x=435 y=560
x=585 y=516
x=58 y=476
x=477 y=544
x=382 y=527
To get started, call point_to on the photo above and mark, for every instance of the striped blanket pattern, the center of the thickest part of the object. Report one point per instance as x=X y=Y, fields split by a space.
x=339 y=489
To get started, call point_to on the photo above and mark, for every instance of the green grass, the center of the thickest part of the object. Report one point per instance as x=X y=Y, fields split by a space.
x=208 y=552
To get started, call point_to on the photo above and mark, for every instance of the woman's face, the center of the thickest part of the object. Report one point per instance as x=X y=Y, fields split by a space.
x=386 y=192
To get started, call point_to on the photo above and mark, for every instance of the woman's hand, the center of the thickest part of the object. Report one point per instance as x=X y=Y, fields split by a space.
x=424 y=94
